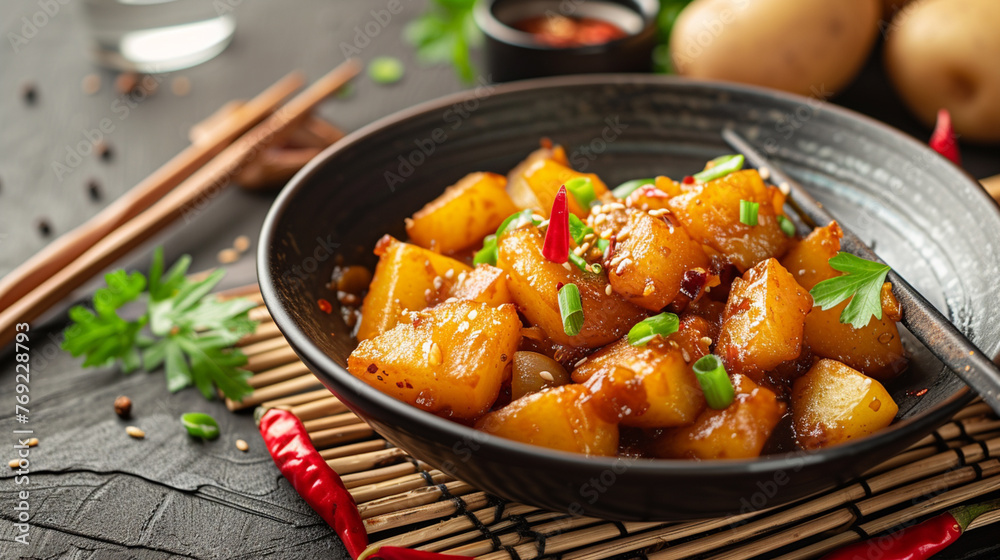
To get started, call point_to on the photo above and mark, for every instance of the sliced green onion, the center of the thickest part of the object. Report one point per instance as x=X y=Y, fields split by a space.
x=489 y=253
x=385 y=70
x=748 y=212
x=628 y=187
x=603 y=244
x=724 y=165
x=787 y=226
x=664 y=324
x=582 y=189
x=515 y=221
x=578 y=229
x=578 y=261
x=200 y=425
x=571 y=309
x=714 y=381
x=596 y=268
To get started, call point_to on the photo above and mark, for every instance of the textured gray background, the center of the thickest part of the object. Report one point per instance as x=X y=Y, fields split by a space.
x=96 y=493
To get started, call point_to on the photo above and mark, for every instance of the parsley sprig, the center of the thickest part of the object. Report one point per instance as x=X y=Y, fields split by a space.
x=861 y=283
x=445 y=33
x=191 y=332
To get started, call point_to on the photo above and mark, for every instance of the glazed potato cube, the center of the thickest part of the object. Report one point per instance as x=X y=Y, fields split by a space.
x=710 y=213
x=763 y=321
x=673 y=395
x=562 y=418
x=536 y=180
x=738 y=431
x=517 y=187
x=655 y=254
x=875 y=349
x=449 y=360
x=834 y=403
x=486 y=284
x=404 y=280
x=463 y=215
x=534 y=285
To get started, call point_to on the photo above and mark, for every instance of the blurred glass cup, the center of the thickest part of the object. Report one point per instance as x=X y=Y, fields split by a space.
x=157 y=35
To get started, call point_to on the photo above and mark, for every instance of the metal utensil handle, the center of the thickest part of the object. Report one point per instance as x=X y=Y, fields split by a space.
x=926 y=323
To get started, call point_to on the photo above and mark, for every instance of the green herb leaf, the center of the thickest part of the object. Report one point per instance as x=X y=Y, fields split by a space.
x=445 y=33
x=516 y=220
x=582 y=189
x=715 y=382
x=628 y=187
x=722 y=166
x=571 y=309
x=192 y=330
x=488 y=254
x=861 y=283
x=578 y=262
x=748 y=212
x=664 y=324
x=200 y=425
x=578 y=229
x=786 y=225
x=603 y=244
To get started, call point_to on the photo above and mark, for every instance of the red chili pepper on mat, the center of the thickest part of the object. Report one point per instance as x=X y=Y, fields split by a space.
x=556 y=246
x=920 y=541
x=293 y=452
x=943 y=140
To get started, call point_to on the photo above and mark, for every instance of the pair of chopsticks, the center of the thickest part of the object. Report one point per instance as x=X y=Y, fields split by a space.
x=201 y=169
x=926 y=323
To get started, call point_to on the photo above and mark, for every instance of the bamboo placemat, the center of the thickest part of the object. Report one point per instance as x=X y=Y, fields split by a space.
x=406 y=502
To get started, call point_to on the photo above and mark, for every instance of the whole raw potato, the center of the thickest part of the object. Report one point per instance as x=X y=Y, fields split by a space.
x=811 y=47
x=946 y=54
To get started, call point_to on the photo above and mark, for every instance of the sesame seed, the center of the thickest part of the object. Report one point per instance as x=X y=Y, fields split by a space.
x=582 y=361
x=461 y=277
x=538 y=217
x=674 y=345
x=607 y=291
x=241 y=243
x=685 y=355
x=14 y=463
x=135 y=432
x=435 y=358
x=648 y=290
x=242 y=445
x=438 y=282
x=785 y=188
x=450 y=274
x=623 y=234
x=658 y=212
x=578 y=250
x=32 y=442
x=765 y=173
x=600 y=219
x=614 y=206
x=427 y=293
x=614 y=262
x=451 y=300
x=622 y=266
x=706 y=341
x=589 y=237
x=472 y=314
x=546 y=376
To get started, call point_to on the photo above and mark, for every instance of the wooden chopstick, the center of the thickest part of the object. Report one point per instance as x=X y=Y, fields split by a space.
x=926 y=323
x=70 y=246
x=203 y=183
x=992 y=186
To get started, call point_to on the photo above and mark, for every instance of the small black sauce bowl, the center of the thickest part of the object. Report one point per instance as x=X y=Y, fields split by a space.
x=512 y=54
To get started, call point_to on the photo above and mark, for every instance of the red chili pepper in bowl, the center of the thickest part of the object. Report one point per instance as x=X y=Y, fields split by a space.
x=943 y=140
x=293 y=452
x=556 y=245
x=920 y=541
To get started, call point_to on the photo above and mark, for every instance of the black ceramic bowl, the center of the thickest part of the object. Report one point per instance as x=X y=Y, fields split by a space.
x=512 y=54
x=926 y=218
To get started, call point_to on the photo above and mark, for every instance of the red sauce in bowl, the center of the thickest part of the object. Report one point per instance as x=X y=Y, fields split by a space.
x=568 y=32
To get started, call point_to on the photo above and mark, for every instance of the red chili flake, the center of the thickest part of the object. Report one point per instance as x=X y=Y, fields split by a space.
x=324 y=306
x=694 y=282
x=556 y=246
x=688 y=180
x=943 y=140
x=559 y=286
x=609 y=254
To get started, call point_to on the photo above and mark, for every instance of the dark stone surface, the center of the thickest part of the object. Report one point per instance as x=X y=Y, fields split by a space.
x=94 y=491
